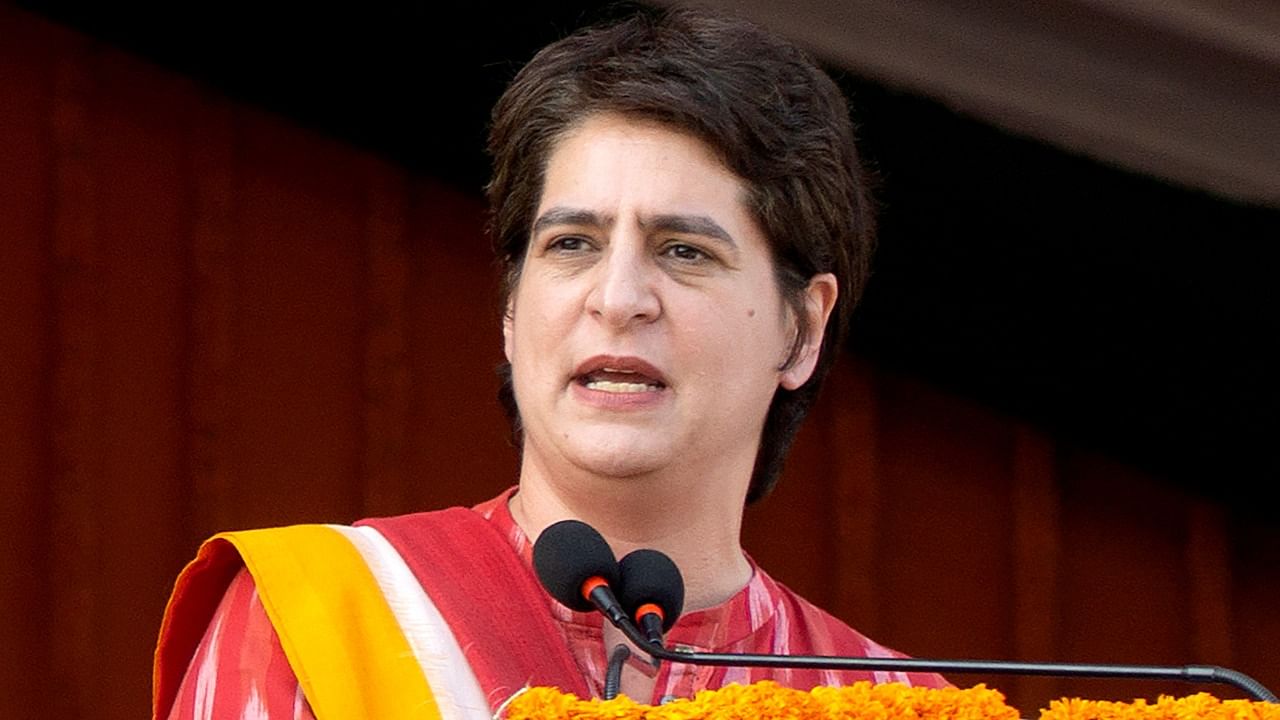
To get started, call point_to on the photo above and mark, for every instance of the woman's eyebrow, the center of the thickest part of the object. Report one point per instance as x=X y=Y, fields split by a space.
x=561 y=215
x=688 y=224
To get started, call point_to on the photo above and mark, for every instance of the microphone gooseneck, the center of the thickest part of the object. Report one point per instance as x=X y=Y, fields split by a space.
x=613 y=676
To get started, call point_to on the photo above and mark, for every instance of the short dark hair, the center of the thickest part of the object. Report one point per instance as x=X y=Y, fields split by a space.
x=770 y=111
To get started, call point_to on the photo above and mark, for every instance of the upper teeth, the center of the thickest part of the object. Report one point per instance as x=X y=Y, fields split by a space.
x=618 y=387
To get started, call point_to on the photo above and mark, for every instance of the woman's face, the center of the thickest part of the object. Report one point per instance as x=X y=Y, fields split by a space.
x=646 y=329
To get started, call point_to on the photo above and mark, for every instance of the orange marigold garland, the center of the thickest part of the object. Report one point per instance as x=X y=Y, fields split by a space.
x=1201 y=706
x=767 y=700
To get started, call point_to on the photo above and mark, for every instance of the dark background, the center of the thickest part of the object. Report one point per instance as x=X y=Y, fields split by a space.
x=1111 y=309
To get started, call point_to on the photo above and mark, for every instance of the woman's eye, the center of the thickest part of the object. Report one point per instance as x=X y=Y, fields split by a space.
x=688 y=253
x=567 y=243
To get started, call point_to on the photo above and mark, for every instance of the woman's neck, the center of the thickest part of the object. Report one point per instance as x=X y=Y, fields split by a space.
x=700 y=534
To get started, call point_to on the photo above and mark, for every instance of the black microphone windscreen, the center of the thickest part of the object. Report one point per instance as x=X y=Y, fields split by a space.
x=649 y=576
x=566 y=555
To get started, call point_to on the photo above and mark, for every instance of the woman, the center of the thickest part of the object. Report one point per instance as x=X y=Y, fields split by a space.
x=681 y=212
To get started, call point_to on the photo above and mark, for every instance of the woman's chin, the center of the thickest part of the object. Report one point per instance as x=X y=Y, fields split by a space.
x=620 y=457
x=624 y=465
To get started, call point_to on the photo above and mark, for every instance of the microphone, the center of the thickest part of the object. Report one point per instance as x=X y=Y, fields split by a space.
x=577 y=567
x=651 y=591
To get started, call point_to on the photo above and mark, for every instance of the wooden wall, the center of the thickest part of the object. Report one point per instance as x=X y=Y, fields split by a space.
x=214 y=319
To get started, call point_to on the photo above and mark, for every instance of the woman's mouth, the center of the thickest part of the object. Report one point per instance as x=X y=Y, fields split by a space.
x=616 y=380
x=619 y=376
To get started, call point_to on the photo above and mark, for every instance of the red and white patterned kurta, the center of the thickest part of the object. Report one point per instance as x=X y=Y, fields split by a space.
x=240 y=671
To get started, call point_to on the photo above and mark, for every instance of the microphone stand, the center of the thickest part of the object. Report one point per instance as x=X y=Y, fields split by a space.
x=613 y=676
x=1187 y=673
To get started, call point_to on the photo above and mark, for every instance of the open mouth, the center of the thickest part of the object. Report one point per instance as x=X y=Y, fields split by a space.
x=616 y=380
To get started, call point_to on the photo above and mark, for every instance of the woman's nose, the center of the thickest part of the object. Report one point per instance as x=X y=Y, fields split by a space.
x=625 y=292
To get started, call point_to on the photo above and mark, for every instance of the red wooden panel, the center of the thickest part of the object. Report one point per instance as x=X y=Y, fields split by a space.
x=296 y=382
x=142 y=217
x=386 y=353
x=944 y=560
x=26 y=83
x=1255 y=586
x=1124 y=582
x=1208 y=554
x=1037 y=550
x=458 y=447
x=211 y=312
x=77 y=442
x=854 y=438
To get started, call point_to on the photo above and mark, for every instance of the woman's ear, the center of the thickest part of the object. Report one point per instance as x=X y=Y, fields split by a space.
x=819 y=300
